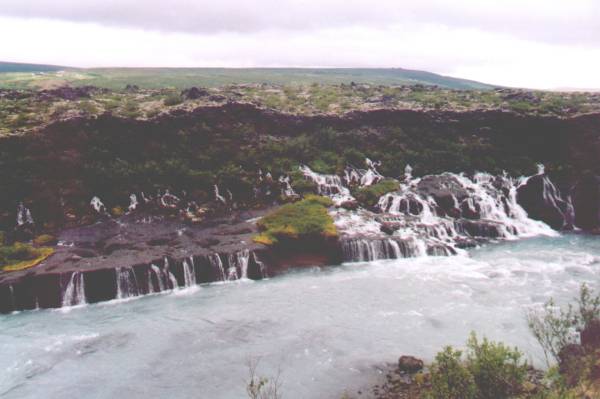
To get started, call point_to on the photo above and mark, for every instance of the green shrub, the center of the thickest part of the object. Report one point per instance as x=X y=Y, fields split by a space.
x=497 y=369
x=370 y=195
x=21 y=256
x=45 y=239
x=303 y=219
x=450 y=379
x=173 y=99
x=301 y=185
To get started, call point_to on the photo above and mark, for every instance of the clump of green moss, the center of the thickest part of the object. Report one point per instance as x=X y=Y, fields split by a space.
x=19 y=256
x=45 y=239
x=303 y=219
x=370 y=195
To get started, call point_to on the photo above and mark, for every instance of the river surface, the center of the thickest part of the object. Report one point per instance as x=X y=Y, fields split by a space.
x=326 y=329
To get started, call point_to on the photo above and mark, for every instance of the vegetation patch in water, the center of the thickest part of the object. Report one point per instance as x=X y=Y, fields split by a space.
x=306 y=218
x=370 y=195
x=20 y=256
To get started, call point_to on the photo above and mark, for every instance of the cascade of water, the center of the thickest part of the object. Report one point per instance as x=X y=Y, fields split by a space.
x=126 y=283
x=238 y=265
x=161 y=278
x=133 y=202
x=189 y=272
x=170 y=275
x=219 y=197
x=363 y=177
x=217 y=264
x=364 y=250
x=169 y=200
x=262 y=267
x=329 y=185
x=74 y=293
x=23 y=215
x=408 y=172
x=98 y=205
x=286 y=187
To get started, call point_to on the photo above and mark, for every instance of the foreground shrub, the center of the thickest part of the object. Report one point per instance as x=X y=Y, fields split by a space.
x=489 y=370
x=307 y=218
x=370 y=195
x=450 y=379
x=497 y=369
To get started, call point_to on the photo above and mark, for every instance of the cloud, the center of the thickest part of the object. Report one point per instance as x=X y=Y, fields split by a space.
x=550 y=21
x=463 y=52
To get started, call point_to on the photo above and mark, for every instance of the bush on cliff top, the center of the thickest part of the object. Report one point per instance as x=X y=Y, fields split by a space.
x=370 y=195
x=303 y=219
x=19 y=256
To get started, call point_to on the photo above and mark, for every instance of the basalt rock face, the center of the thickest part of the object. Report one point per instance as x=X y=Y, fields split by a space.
x=55 y=172
x=586 y=200
x=543 y=201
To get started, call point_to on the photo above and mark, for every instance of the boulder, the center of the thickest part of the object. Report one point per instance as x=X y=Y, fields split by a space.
x=410 y=364
x=446 y=190
x=586 y=201
x=194 y=93
x=542 y=201
x=590 y=335
x=571 y=363
x=351 y=205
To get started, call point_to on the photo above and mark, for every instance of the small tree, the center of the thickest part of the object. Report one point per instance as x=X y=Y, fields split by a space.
x=554 y=327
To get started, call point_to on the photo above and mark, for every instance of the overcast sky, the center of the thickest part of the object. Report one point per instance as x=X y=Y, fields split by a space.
x=527 y=43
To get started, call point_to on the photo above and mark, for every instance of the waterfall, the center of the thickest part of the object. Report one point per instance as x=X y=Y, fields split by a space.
x=238 y=265
x=219 y=197
x=126 y=283
x=23 y=215
x=133 y=202
x=189 y=272
x=286 y=187
x=261 y=266
x=170 y=275
x=161 y=278
x=363 y=177
x=98 y=205
x=328 y=185
x=74 y=294
x=168 y=200
x=217 y=265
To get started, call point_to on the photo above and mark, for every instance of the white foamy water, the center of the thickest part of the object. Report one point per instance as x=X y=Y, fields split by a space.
x=326 y=328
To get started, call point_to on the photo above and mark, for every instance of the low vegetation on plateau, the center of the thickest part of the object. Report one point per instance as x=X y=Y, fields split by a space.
x=305 y=219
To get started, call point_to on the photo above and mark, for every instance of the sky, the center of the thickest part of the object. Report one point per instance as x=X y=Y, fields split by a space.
x=545 y=44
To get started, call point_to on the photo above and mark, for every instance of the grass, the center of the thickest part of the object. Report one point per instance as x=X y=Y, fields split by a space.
x=370 y=195
x=307 y=218
x=153 y=78
x=20 y=256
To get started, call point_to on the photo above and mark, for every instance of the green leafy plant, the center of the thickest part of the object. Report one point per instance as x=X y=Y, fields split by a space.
x=370 y=195
x=497 y=369
x=303 y=219
x=450 y=379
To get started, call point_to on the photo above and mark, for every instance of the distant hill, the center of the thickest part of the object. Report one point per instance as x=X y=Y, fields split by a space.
x=117 y=78
x=20 y=67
